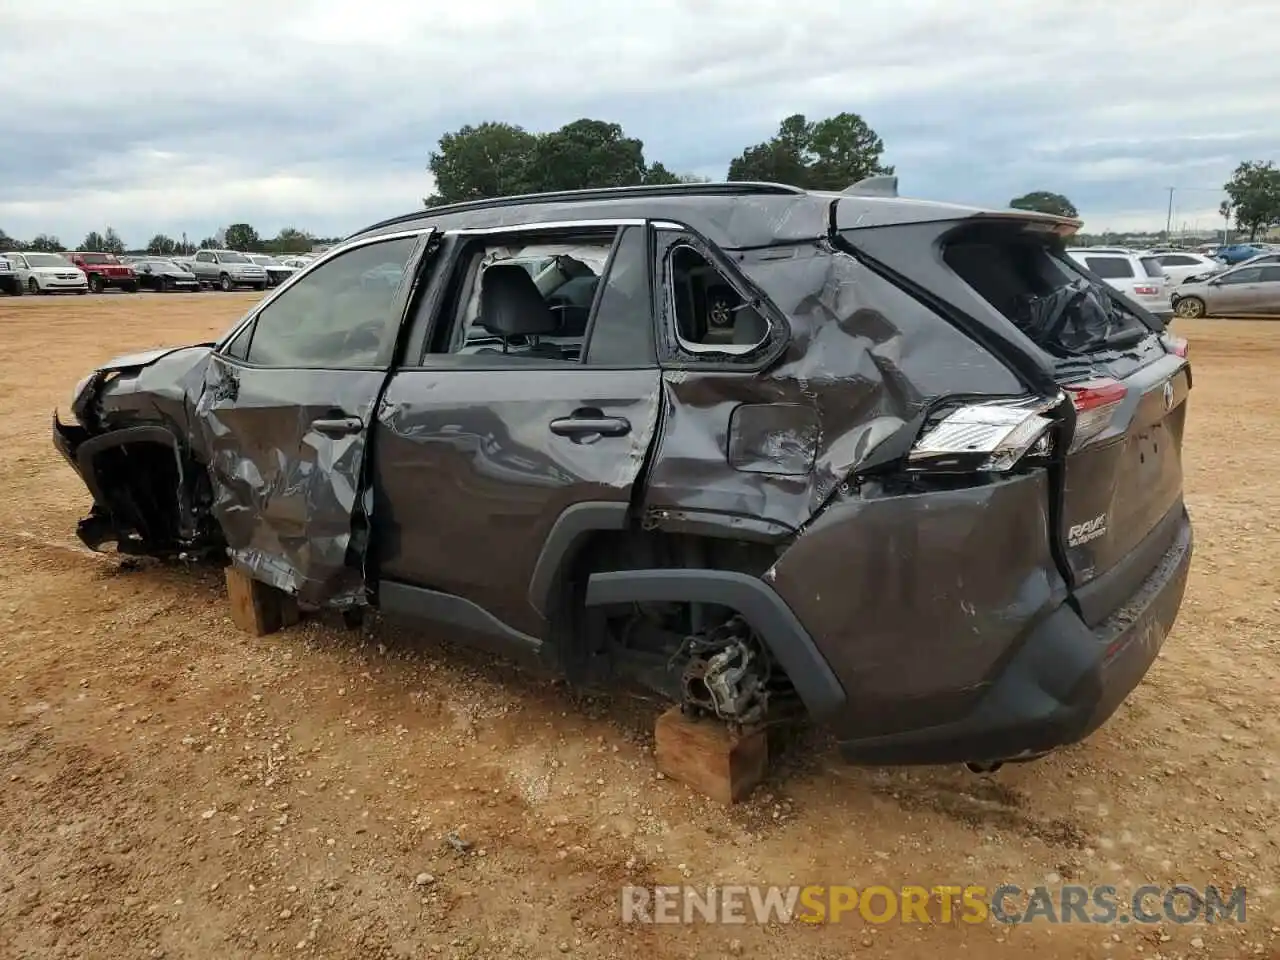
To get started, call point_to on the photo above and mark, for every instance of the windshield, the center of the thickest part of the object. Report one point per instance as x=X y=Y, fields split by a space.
x=47 y=260
x=264 y=261
x=98 y=258
x=233 y=258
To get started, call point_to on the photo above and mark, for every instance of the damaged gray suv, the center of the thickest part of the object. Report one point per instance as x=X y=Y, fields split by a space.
x=900 y=466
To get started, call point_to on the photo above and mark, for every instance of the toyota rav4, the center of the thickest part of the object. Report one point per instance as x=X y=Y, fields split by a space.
x=898 y=465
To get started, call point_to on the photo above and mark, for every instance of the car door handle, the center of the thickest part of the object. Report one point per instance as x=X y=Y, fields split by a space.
x=338 y=426
x=580 y=425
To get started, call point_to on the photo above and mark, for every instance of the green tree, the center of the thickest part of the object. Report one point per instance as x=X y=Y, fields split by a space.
x=162 y=246
x=501 y=159
x=45 y=243
x=1043 y=201
x=8 y=243
x=1254 y=190
x=828 y=154
x=209 y=243
x=92 y=242
x=111 y=242
x=475 y=162
x=242 y=237
x=292 y=240
x=586 y=153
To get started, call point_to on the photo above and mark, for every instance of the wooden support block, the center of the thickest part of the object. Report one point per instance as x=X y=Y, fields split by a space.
x=256 y=607
x=703 y=754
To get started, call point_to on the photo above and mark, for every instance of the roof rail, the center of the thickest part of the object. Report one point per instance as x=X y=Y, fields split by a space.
x=720 y=189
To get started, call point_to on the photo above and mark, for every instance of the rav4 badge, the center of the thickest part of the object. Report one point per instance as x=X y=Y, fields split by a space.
x=1081 y=533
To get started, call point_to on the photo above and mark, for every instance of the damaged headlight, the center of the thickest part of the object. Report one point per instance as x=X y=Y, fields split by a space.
x=78 y=396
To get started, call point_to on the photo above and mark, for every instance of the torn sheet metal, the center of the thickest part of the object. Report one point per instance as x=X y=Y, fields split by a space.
x=152 y=387
x=864 y=358
x=286 y=473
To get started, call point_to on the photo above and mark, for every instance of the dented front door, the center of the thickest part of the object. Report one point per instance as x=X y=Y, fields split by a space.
x=285 y=413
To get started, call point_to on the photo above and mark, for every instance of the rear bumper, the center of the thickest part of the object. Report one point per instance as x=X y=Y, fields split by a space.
x=1063 y=683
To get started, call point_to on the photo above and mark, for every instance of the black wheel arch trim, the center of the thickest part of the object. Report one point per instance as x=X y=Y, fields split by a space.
x=768 y=614
x=568 y=534
x=89 y=450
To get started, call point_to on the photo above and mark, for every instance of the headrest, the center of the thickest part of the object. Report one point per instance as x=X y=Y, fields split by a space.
x=511 y=305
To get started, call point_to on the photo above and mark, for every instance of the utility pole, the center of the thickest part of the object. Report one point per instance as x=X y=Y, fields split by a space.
x=1168 y=220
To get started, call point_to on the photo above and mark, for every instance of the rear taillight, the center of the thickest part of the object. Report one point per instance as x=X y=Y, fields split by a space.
x=1146 y=291
x=991 y=436
x=1095 y=402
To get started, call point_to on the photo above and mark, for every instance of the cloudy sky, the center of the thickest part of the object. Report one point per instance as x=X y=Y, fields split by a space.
x=187 y=116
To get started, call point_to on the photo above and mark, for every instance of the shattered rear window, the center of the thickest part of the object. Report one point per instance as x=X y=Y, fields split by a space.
x=1042 y=292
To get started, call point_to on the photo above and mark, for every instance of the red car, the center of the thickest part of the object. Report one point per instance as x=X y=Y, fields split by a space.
x=104 y=270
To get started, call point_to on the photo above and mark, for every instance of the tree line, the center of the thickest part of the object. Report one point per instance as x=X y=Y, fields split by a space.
x=496 y=159
x=238 y=236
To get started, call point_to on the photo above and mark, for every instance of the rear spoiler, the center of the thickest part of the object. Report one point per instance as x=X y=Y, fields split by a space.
x=882 y=186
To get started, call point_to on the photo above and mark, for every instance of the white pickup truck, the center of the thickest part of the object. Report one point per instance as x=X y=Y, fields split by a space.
x=227 y=269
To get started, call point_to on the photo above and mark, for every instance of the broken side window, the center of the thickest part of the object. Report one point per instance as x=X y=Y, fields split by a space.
x=708 y=313
x=1037 y=288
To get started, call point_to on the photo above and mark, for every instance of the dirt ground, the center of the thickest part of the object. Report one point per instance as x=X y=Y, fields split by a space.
x=171 y=787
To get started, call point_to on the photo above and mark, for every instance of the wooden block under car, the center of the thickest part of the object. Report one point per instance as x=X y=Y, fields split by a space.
x=256 y=607
x=703 y=754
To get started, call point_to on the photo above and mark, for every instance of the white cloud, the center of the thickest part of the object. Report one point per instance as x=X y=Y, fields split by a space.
x=323 y=112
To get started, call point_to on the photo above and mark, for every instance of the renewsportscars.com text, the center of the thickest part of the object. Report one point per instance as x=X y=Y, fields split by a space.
x=946 y=904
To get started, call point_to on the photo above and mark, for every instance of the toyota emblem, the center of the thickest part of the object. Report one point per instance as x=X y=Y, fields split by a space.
x=1168 y=396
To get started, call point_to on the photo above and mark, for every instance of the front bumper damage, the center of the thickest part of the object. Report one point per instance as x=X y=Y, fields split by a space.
x=129 y=441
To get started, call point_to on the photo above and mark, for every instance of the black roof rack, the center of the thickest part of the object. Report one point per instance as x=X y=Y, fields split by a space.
x=722 y=189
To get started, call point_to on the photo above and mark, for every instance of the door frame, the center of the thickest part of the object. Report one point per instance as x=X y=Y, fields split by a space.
x=405 y=297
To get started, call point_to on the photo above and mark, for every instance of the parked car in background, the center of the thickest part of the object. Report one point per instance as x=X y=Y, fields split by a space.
x=297 y=262
x=1237 y=252
x=48 y=273
x=164 y=276
x=1138 y=276
x=277 y=271
x=105 y=270
x=10 y=282
x=1269 y=257
x=228 y=269
x=1246 y=290
x=1182 y=265
x=951 y=526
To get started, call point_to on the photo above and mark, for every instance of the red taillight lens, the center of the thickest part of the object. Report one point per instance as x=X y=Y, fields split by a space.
x=1146 y=291
x=1095 y=402
x=1178 y=346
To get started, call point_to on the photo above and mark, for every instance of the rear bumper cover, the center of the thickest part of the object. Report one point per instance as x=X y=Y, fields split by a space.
x=1063 y=683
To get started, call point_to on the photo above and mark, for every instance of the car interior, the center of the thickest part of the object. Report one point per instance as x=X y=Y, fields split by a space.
x=530 y=302
x=709 y=312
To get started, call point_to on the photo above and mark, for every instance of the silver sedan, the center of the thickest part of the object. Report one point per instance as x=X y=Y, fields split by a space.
x=1245 y=290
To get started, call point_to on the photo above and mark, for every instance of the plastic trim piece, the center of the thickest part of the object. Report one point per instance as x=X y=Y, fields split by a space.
x=405 y=601
x=570 y=530
x=749 y=596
